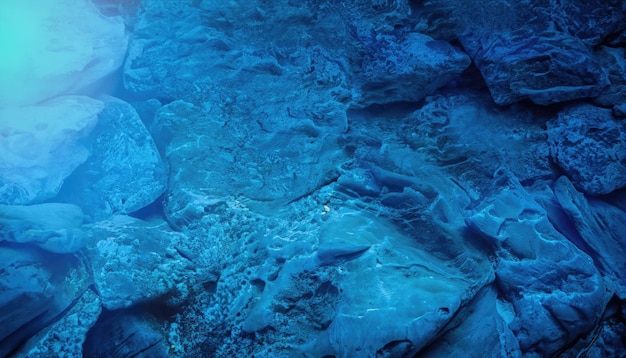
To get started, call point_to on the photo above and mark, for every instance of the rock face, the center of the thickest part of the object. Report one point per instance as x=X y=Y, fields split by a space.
x=36 y=288
x=78 y=45
x=494 y=335
x=41 y=146
x=536 y=67
x=319 y=179
x=408 y=68
x=126 y=334
x=590 y=145
x=532 y=50
x=66 y=336
x=135 y=261
x=124 y=172
x=546 y=279
x=600 y=227
x=53 y=227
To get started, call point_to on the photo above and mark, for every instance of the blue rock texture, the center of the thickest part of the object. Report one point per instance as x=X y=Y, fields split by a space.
x=532 y=50
x=125 y=171
x=38 y=288
x=324 y=179
x=590 y=145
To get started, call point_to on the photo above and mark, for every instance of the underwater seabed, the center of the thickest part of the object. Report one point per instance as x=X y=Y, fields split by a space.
x=312 y=178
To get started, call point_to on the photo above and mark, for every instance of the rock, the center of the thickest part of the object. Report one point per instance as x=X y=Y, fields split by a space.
x=464 y=134
x=479 y=329
x=381 y=286
x=247 y=121
x=405 y=69
x=36 y=289
x=544 y=67
x=127 y=334
x=531 y=50
x=594 y=22
x=41 y=146
x=590 y=145
x=327 y=304
x=124 y=172
x=66 y=336
x=600 y=229
x=54 y=227
x=613 y=60
x=549 y=282
x=56 y=48
x=215 y=158
x=605 y=341
x=135 y=261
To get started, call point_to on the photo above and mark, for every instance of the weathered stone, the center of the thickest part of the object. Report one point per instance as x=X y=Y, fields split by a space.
x=590 y=145
x=135 y=261
x=54 y=227
x=65 y=337
x=544 y=276
x=41 y=146
x=36 y=288
x=124 y=172
x=601 y=226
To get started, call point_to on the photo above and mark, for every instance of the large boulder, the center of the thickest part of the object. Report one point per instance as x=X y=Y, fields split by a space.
x=590 y=145
x=41 y=146
x=546 y=280
x=36 y=289
x=599 y=230
x=545 y=68
x=534 y=50
x=56 y=47
x=124 y=172
x=54 y=227
x=135 y=261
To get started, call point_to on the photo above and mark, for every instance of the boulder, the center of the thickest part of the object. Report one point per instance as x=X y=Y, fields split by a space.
x=42 y=145
x=532 y=50
x=37 y=288
x=54 y=227
x=55 y=48
x=590 y=145
x=135 y=261
x=124 y=172
x=548 y=281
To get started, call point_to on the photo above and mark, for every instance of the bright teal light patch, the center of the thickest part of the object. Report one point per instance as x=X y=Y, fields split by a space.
x=54 y=47
x=22 y=37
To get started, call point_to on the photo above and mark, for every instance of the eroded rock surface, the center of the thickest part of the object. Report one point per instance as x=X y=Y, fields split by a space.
x=590 y=145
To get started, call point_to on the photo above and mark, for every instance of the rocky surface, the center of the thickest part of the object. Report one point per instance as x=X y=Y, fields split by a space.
x=124 y=173
x=319 y=178
x=599 y=232
x=546 y=280
x=36 y=289
x=65 y=337
x=126 y=334
x=135 y=261
x=41 y=146
x=590 y=145
x=542 y=52
x=54 y=227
